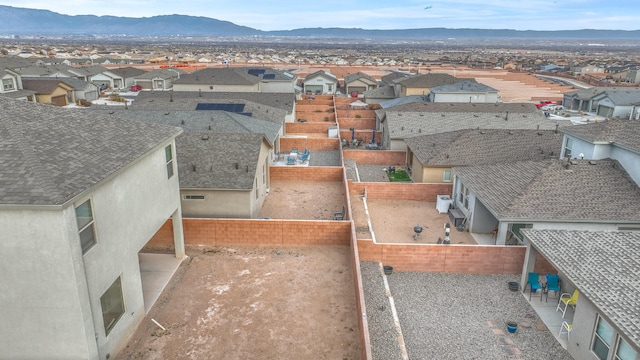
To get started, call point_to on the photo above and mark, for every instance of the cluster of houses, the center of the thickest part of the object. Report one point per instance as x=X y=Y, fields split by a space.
x=81 y=187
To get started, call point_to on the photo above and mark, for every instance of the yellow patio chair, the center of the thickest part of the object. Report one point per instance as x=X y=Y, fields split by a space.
x=565 y=328
x=566 y=300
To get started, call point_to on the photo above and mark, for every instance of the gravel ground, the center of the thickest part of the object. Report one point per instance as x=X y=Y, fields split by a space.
x=325 y=158
x=455 y=316
x=372 y=173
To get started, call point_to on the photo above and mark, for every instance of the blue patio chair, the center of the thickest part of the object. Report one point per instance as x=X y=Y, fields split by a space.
x=534 y=284
x=553 y=284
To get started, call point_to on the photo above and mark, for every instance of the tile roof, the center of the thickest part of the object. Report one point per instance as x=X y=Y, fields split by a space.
x=554 y=191
x=232 y=76
x=267 y=106
x=49 y=155
x=625 y=133
x=604 y=268
x=222 y=161
x=416 y=119
x=476 y=147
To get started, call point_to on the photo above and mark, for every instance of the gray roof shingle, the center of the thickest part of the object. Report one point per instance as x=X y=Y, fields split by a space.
x=222 y=161
x=477 y=147
x=619 y=132
x=550 y=190
x=49 y=155
x=232 y=76
x=420 y=118
x=268 y=106
x=603 y=266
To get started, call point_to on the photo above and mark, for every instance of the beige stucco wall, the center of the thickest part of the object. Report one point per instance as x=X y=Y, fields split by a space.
x=434 y=175
x=415 y=91
x=225 y=203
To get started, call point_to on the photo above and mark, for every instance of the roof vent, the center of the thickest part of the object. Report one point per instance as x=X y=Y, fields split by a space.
x=167 y=113
x=236 y=166
x=573 y=162
x=182 y=122
x=510 y=132
x=193 y=167
x=591 y=162
x=205 y=137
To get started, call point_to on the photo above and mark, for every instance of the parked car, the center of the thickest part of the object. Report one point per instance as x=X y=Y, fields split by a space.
x=135 y=88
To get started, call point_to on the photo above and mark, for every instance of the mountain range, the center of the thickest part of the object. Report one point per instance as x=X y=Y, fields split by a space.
x=24 y=21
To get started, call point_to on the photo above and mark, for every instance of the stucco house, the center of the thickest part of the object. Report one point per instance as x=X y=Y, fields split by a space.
x=415 y=119
x=320 y=82
x=158 y=79
x=421 y=84
x=237 y=80
x=546 y=194
x=615 y=139
x=432 y=157
x=55 y=92
x=359 y=82
x=80 y=196
x=12 y=86
x=126 y=76
x=224 y=159
x=82 y=90
x=610 y=102
x=465 y=91
x=99 y=75
x=602 y=266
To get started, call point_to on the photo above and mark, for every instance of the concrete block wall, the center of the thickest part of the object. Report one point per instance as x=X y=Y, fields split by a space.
x=375 y=157
x=353 y=113
x=400 y=191
x=358 y=124
x=329 y=117
x=308 y=128
x=328 y=102
x=458 y=259
x=239 y=232
x=306 y=173
x=313 y=144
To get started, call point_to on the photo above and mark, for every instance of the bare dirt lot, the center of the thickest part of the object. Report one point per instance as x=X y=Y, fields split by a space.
x=303 y=201
x=254 y=303
x=393 y=222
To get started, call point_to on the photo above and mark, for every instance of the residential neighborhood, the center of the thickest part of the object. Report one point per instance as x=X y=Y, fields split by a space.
x=123 y=171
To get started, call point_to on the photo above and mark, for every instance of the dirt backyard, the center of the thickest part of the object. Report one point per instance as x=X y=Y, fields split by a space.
x=393 y=222
x=254 y=303
x=303 y=200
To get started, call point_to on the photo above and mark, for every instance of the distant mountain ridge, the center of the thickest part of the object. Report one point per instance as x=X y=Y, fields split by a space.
x=23 y=21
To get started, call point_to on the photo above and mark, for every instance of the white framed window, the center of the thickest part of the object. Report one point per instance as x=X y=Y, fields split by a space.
x=461 y=194
x=193 y=197
x=602 y=337
x=8 y=84
x=447 y=176
x=86 y=226
x=168 y=155
x=624 y=351
x=567 y=147
x=112 y=303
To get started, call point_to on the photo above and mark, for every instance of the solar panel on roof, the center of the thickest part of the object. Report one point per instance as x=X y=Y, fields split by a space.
x=269 y=76
x=256 y=72
x=234 y=108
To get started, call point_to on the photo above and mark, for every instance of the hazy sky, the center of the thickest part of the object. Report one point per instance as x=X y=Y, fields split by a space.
x=372 y=14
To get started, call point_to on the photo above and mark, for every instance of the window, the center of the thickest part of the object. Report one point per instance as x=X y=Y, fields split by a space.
x=567 y=147
x=112 y=305
x=461 y=194
x=86 y=228
x=7 y=84
x=447 y=175
x=168 y=155
x=602 y=339
x=193 y=197
x=625 y=352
